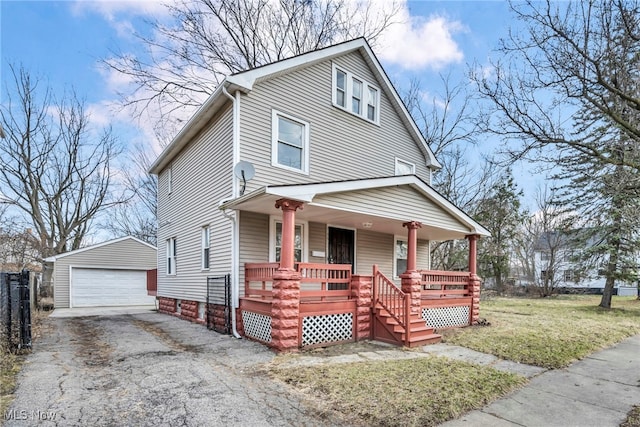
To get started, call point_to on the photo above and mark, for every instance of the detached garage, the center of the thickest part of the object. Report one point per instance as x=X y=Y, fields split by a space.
x=113 y=273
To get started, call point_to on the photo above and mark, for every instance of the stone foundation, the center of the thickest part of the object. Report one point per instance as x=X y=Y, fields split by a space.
x=167 y=305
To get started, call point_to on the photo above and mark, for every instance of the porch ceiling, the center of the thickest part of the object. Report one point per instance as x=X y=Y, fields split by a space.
x=366 y=212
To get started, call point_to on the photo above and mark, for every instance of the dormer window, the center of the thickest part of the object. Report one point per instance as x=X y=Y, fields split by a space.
x=356 y=98
x=341 y=89
x=355 y=95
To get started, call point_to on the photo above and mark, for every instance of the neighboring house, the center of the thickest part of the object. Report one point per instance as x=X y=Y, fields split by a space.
x=18 y=250
x=112 y=273
x=557 y=257
x=292 y=181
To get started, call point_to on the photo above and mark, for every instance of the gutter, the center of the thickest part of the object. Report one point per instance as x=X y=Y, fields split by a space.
x=235 y=250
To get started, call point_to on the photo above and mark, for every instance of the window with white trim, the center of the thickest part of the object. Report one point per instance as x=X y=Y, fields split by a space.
x=372 y=104
x=205 y=248
x=404 y=168
x=171 y=256
x=355 y=95
x=341 y=88
x=400 y=250
x=290 y=142
x=275 y=241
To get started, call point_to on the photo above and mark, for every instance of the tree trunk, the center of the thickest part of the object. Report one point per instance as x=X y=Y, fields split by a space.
x=612 y=264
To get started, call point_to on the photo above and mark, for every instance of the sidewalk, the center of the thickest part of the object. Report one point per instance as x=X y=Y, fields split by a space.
x=597 y=391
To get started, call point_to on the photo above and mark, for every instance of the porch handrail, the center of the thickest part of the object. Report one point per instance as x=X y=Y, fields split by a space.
x=444 y=283
x=391 y=298
x=259 y=272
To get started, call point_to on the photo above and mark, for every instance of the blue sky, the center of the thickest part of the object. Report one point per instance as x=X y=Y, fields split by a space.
x=63 y=41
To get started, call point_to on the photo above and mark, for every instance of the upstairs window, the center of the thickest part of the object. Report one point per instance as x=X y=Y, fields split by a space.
x=290 y=145
x=355 y=95
x=372 y=104
x=341 y=89
x=356 y=98
x=404 y=168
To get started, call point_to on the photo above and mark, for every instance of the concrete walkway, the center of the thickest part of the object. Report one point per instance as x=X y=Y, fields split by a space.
x=597 y=391
x=101 y=311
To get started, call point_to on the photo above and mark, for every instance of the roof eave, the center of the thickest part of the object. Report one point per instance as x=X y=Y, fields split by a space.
x=195 y=124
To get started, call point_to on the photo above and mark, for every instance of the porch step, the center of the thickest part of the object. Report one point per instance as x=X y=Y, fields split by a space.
x=420 y=335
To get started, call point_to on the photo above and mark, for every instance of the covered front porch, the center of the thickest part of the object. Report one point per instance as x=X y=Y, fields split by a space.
x=364 y=270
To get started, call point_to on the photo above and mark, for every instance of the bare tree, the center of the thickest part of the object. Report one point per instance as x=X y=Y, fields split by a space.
x=568 y=90
x=209 y=39
x=137 y=216
x=446 y=122
x=54 y=168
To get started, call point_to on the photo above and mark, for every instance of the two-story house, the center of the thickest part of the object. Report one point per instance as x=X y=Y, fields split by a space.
x=304 y=186
x=559 y=265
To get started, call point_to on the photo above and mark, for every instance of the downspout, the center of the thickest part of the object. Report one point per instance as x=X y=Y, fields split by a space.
x=235 y=250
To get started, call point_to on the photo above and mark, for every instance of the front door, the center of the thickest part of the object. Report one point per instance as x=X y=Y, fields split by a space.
x=341 y=246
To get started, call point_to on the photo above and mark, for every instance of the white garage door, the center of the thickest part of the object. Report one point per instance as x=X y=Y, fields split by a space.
x=92 y=287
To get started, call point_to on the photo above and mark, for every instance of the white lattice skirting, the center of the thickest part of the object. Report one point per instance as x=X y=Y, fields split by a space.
x=257 y=326
x=444 y=317
x=327 y=328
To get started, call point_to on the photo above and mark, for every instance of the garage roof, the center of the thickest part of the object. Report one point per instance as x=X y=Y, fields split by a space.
x=108 y=242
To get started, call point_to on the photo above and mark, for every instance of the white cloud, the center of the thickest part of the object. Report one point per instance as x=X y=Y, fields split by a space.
x=418 y=42
x=109 y=9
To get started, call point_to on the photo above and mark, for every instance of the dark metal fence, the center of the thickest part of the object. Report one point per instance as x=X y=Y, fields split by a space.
x=218 y=308
x=15 y=309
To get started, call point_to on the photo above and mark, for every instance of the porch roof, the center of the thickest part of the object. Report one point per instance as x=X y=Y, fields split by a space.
x=377 y=204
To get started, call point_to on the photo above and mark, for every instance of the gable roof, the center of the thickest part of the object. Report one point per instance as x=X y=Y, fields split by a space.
x=244 y=82
x=98 y=245
x=308 y=192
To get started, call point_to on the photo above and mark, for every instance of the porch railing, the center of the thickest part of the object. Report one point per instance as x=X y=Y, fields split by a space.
x=331 y=280
x=443 y=284
x=392 y=299
x=317 y=281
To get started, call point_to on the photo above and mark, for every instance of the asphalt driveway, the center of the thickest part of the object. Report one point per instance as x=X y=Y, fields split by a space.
x=149 y=369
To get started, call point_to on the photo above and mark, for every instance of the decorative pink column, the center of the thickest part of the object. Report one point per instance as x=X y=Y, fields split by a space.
x=410 y=279
x=285 y=307
x=474 y=280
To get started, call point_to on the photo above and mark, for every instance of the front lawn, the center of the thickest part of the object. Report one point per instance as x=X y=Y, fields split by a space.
x=549 y=332
x=416 y=392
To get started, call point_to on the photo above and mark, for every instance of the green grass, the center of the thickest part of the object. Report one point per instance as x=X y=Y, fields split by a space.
x=417 y=392
x=549 y=332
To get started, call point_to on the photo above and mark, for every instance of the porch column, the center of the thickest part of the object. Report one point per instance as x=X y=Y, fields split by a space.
x=410 y=279
x=285 y=306
x=289 y=208
x=473 y=238
x=474 y=280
